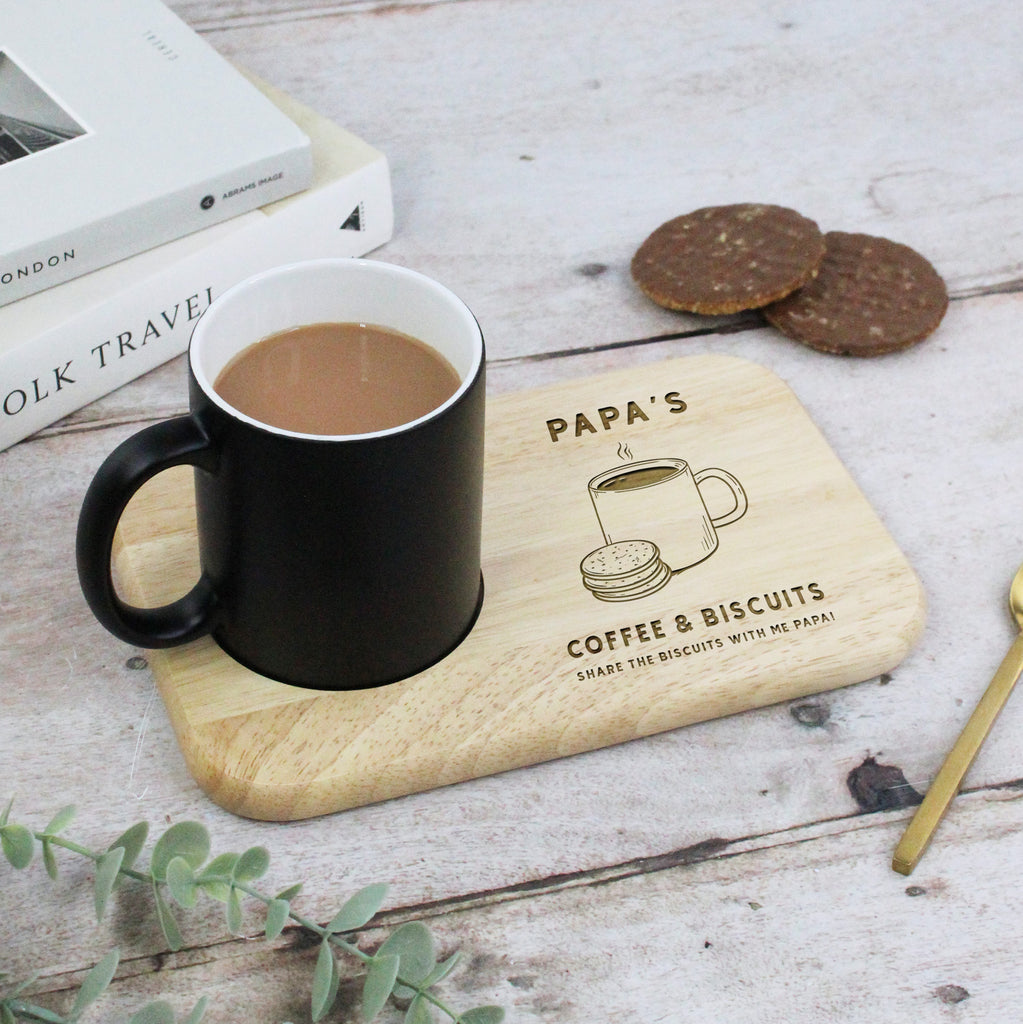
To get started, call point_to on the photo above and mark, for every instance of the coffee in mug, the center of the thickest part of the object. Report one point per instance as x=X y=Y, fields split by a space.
x=337 y=378
x=334 y=554
x=642 y=477
x=661 y=501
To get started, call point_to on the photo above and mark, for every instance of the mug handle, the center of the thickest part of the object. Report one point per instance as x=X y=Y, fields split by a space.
x=175 y=442
x=738 y=493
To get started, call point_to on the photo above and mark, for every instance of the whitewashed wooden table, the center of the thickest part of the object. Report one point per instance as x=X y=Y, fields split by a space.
x=723 y=872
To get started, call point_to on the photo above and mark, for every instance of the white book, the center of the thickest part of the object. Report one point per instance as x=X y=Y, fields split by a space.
x=121 y=129
x=65 y=347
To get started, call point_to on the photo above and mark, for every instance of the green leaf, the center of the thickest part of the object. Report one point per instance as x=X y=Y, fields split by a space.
x=219 y=891
x=60 y=820
x=40 y=1013
x=414 y=944
x=234 y=912
x=325 y=981
x=358 y=910
x=252 y=864
x=168 y=925
x=49 y=860
x=95 y=983
x=442 y=970
x=154 y=1013
x=335 y=983
x=132 y=841
x=221 y=867
x=379 y=983
x=18 y=845
x=6 y=813
x=277 y=913
x=198 y=1012
x=7 y=1015
x=290 y=893
x=482 y=1015
x=215 y=877
x=187 y=839
x=181 y=882
x=419 y=1012
x=107 y=868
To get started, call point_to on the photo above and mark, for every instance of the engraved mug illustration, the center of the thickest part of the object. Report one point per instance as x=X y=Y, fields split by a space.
x=659 y=500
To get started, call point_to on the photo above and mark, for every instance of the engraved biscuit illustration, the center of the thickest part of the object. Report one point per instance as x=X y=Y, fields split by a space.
x=624 y=571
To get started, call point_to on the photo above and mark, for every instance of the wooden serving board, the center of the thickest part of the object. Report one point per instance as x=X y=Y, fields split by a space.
x=609 y=612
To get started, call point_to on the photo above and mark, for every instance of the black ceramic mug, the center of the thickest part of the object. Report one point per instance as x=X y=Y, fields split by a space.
x=332 y=562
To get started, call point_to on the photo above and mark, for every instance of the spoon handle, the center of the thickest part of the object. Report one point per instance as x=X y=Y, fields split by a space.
x=946 y=783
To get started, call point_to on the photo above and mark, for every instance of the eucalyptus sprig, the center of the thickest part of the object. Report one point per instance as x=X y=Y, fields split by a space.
x=180 y=870
x=13 y=1007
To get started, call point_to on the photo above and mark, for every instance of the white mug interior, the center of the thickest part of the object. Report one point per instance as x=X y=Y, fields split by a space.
x=337 y=290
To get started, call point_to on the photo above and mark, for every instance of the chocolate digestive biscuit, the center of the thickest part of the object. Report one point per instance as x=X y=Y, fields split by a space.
x=723 y=259
x=870 y=296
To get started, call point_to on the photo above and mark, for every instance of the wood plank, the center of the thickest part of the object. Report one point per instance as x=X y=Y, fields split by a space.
x=69 y=688
x=556 y=277
x=570 y=135
x=814 y=927
x=547 y=670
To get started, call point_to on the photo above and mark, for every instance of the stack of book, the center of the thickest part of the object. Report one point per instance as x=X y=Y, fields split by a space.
x=141 y=175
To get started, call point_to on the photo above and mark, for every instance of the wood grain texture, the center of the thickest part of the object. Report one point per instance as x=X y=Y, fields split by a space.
x=804 y=927
x=778 y=605
x=548 y=140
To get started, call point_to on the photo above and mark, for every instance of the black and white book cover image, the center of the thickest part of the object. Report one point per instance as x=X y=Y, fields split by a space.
x=121 y=129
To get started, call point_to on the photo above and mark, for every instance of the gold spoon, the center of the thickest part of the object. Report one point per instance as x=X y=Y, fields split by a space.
x=949 y=778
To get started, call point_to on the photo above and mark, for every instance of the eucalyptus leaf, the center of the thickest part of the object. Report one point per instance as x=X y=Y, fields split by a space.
x=215 y=878
x=220 y=868
x=233 y=913
x=18 y=845
x=335 y=984
x=418 y=1012
x=154 y=1013
x=40 y=1013
x=277 y=912
x=442 y=970
x=359 y=909
x=290 y=893
x=60 y=820
x=49 y=860
x=482 y=1015
x=414 y=944
x=219 y=891
x=252 y=864
x=107 y=868
x=181 y=882
x=379 y=983
x=95 y=983
x=198 y=1012
x=168 y=925
x=132 y=840
x=187 y=839
x=324 y=986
